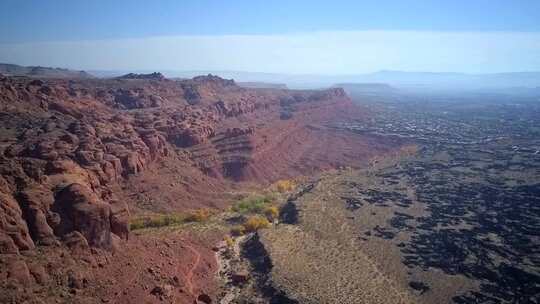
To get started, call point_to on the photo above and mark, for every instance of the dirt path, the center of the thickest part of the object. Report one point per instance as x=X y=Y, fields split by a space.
x=189 y=274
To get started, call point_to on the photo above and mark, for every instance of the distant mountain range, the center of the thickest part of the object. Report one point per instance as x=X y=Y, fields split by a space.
x=410 y=81
x=40 y=72
x=398 y=79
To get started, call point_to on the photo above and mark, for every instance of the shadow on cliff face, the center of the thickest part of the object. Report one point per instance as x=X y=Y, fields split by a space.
x=234 y=170
x=288 y=214
x=254 y=251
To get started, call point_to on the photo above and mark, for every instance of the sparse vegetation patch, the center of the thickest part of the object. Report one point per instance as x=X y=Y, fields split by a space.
x=171 y=219
x=253 y=204
x=271 y=213
x=285 y=185
x=199 y=215
x=162 y=220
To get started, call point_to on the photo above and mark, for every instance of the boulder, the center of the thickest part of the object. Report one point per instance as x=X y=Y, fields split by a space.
x=132 y=163
x=39 y=273
x=156 y=144
x=120 y=219
x=7 y=245
x=18 y=271
x=13 y=226
x=112 y=166
x=76 y=280
x=162 y=291
x=36 y=203
x=75 y=240
x=116 y=243
x=240 y=278
x=203 y=299
x=81 y=210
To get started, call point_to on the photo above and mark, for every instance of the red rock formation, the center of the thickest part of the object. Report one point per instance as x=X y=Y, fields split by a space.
x=82 y=133
x=78 y=156
x=80 y=210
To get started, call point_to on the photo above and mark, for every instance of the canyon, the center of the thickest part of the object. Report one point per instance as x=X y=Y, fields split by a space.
x=81 y=157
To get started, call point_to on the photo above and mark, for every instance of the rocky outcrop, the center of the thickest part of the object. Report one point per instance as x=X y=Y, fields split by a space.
x=135 y=99
x=14 y=234
x=36 y=204
x=214 y=81
x=119 y=218
x=233 y=132
x=82 y=211
x=151 y=76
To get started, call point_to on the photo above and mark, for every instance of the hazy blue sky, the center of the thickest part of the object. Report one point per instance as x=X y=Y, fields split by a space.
x=328 y=37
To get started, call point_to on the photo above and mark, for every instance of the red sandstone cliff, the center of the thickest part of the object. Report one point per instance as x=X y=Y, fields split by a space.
x=78 y=156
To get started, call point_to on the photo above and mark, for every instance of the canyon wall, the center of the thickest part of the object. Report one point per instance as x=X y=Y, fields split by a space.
x=67 y=145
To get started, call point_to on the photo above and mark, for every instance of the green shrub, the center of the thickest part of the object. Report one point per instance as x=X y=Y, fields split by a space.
x=252 y=204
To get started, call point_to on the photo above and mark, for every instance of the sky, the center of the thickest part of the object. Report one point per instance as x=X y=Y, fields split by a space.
x=300 y=37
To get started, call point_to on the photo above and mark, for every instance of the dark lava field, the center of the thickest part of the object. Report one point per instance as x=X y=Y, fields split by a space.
x=475 y=181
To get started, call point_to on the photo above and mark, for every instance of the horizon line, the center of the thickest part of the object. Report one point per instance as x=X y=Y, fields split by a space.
x=206 y=71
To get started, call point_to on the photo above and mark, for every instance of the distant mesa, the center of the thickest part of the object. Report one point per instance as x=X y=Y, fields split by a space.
x=41 y=72
x=151 y=76
x=214 y=79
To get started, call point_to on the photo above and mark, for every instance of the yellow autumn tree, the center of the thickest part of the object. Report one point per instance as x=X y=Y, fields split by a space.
x=255 y=223
x=271 y=213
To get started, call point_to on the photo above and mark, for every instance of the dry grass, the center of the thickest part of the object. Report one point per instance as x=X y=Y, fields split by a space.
x=229 y=241
x=238 y=230
x=285 y=185
x=156 y=221
x=199 y=215
x=172 y=219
